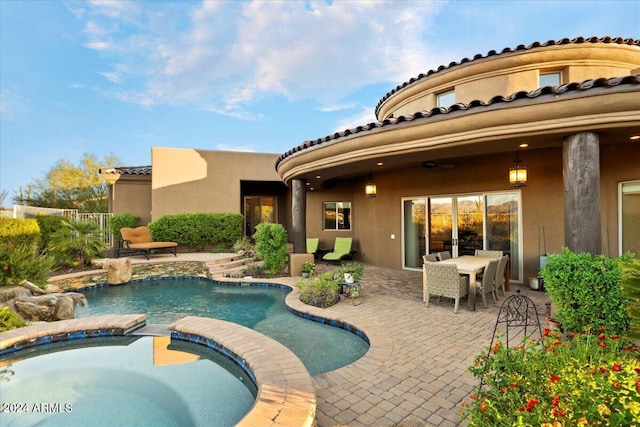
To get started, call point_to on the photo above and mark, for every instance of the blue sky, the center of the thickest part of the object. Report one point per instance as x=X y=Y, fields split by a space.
x=119 y=77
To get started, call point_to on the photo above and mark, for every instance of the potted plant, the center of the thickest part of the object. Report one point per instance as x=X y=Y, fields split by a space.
x=308 y=268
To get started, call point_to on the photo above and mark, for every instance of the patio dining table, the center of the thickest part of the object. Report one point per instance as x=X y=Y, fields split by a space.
x=471 y=266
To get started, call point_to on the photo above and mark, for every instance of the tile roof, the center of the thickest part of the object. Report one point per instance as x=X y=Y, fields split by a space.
x=134 y=170
x=426 y=114
x=519 y=48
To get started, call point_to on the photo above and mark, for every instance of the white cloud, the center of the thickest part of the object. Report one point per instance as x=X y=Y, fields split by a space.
x=337 y=107
x=231 y=54
x=365 y=116
x=112 y=76
x=229 y=147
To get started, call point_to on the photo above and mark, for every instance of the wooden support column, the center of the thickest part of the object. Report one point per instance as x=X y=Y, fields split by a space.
x=581 y=171
x=299 y=215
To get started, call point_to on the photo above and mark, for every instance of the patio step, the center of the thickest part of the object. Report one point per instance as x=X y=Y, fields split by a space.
x=223 y=265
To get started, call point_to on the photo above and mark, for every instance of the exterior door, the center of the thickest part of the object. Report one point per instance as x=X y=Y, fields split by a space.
x=258 y=210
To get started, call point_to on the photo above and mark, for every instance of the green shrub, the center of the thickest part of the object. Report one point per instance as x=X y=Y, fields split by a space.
x=10 y=320
x=116 y=222
x=14 y=230
x=48 y=224
x=631 y=290
x=18 y=262
x=353 y=268
x=271 y=244
x=197 y=230
x=319 y=291
x=586 y=291
x=77 y=243
x=589 y=379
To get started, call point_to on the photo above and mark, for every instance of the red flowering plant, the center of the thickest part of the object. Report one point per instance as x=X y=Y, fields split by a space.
x=588 y=379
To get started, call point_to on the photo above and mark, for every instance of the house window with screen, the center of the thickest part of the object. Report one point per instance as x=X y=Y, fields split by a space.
x=550 y=79
x=446 y=99
x=337 y=215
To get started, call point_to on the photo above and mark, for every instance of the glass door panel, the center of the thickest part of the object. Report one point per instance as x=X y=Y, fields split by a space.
x=470 y=214
x=503 y=228
x=440 y=224
x=414 y=232
x=630 y=218
x=258 y=210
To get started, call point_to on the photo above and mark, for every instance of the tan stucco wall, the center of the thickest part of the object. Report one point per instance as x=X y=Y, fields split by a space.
x=132 y=194
x=190 y=180
x=509 y=73
x=376 y=220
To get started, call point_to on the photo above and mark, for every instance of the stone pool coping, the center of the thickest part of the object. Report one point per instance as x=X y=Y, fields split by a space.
x=286 y=393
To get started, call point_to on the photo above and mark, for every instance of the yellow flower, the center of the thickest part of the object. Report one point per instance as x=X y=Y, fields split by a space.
x=604 y=410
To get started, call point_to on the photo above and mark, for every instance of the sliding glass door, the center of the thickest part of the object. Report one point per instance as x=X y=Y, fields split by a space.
x=629 y=228
x=461 y=224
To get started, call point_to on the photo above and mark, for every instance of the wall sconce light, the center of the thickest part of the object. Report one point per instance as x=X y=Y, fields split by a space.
x=518 y=173
x=111 y=175
x=370 y=189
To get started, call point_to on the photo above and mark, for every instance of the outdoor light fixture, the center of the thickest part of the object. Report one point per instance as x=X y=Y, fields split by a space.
x=370 y=187
x=518 y=174
x=111 y=175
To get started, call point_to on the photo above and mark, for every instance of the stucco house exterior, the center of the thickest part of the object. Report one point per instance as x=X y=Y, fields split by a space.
x=440 y=158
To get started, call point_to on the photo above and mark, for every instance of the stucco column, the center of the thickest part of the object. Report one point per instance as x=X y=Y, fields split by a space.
x=299 y=215
x=581 y=170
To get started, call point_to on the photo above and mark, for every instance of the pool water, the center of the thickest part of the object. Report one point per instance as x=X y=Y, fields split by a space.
x=322 y=348
x=122 y=381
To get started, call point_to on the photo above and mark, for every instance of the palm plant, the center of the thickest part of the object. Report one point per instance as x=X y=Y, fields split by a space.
x=77 y=243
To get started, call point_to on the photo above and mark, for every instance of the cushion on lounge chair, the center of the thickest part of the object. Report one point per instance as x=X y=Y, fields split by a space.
x=341 y=249
x=312 y=245
x=139 y=239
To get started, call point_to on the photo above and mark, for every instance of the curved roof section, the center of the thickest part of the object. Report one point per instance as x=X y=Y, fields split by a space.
x=519 y=48
x=426 y=114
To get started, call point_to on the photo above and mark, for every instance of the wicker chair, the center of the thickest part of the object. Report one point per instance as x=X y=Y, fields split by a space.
x=443 y=255
x=500 y=280
x=443 y=280
x=488 y=283
x=492 y=254
x=429 y=258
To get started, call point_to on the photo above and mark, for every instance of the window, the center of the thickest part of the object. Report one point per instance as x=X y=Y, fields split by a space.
x=337 y=215
x=446 y=99
x=550 y=79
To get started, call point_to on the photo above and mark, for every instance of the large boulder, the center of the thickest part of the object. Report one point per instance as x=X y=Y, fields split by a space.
x=50 y=307
x=119 y=271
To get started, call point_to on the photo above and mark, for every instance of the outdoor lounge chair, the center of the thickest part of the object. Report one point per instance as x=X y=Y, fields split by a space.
x=443 y=280
x=341 y=250
x=138 y=241
x=312 y=246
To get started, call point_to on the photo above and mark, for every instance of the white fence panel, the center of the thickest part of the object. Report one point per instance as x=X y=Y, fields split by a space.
x=101 y=219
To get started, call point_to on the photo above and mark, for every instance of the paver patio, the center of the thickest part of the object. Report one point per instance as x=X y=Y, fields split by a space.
x=415 y=372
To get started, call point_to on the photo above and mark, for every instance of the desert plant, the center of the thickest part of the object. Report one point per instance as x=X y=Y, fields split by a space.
x=49 y=224
x=19 y=261
x=586 y=291
x=77 y=243
x=271 y=244
x=319 y=291
x=10 y=320
x=588 y=379
x=308 y=267
x=631 y=290
x=244 y=248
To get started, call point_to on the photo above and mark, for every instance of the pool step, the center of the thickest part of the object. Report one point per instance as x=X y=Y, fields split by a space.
x=220 y=266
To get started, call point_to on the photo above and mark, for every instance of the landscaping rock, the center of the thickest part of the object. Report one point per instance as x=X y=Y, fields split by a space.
x=119 y=271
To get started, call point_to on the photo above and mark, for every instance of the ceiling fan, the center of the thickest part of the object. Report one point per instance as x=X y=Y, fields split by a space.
x=430 y=164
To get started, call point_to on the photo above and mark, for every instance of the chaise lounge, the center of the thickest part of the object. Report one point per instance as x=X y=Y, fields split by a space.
x=341 y=250
x=138 y=241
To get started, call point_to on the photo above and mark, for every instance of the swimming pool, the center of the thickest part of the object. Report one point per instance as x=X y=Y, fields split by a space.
x=320 y=347
x=123 y=381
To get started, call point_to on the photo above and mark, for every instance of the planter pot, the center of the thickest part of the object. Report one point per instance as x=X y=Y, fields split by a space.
x=305 y=274
x=553 y=324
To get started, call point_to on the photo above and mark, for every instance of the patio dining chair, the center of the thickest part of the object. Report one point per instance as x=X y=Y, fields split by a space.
x=488 y=283
x=500 y=271
x=443 y=280
x=487 y=253
x=429 y=258
x=443 y=255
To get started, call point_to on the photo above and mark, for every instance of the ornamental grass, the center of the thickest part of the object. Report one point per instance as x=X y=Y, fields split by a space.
x=587 y=379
